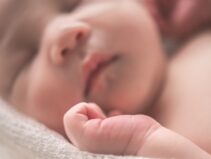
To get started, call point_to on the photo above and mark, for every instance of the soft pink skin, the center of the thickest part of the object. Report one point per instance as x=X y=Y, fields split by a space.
x=181 y=17
x=44 y=83
x=45 y=86
x=89 y=129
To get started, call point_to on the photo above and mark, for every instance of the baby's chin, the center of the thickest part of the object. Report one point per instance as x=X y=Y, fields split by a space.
x=125 y=102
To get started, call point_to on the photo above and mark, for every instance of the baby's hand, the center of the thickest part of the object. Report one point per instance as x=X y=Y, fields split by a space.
x=88 y=128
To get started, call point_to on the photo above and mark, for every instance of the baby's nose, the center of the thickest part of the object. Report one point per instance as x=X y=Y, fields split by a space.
x=64 y=37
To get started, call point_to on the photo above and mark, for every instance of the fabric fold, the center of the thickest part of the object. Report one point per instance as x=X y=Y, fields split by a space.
x=24 y=138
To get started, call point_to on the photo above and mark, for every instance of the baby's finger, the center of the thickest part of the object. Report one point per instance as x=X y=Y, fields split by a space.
x=95 y=111
x=76 y=118
x=114 y=113
x=73 y=120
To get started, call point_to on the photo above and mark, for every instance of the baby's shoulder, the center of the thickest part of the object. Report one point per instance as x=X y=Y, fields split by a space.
x=185 y=105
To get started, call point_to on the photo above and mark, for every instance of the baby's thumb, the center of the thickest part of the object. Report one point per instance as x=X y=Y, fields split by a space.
x=77 y=116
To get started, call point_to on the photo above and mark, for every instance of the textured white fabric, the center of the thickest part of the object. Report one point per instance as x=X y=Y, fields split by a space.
x=24 y=138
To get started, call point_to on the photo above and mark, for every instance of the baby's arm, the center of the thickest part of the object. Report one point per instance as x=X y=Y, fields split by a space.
x=89 y=129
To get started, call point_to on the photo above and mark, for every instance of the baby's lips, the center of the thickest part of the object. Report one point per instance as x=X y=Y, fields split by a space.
x=93 y=60
x=91 y=64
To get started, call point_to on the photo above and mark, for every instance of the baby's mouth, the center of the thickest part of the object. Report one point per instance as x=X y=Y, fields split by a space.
x=93 y=67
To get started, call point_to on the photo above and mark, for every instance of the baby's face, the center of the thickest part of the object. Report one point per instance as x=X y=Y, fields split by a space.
x=107 y=52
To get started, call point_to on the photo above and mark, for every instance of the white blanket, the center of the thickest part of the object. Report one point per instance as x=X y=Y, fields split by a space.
x=23 y=138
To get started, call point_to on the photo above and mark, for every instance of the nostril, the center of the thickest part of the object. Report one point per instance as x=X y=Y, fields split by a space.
x=60 y=54
x=65 y=51
x=79 y=36
x=65 y=38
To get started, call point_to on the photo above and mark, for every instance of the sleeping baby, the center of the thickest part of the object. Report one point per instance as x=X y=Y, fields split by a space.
x=56 y=54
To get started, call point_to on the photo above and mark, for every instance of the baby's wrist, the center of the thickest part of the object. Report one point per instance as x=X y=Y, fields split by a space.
x=164 y=143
